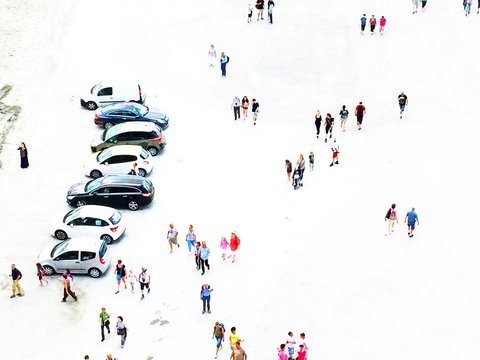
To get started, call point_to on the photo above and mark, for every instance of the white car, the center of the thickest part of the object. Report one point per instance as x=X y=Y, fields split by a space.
x=81 y=256
x=95 y=221
x=107 y=92
x=119 y=160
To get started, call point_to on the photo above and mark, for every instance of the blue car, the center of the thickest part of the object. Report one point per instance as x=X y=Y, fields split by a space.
x=111 y=115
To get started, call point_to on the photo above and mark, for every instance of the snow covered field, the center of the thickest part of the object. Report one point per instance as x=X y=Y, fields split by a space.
x=314 y=260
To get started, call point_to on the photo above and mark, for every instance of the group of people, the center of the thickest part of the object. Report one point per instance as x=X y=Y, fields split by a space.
x=416 y=4
x=467 y=5
x=238 y=353
x=121 y=327
x=121 y=275
x=329 y=121
x=243 y=105
x=224 y=59
x=411 y=219
x=373 y=23
x=294 y=350
x=260 y=6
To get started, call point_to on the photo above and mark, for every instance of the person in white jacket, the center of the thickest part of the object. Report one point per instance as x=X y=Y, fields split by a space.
x=212 y=56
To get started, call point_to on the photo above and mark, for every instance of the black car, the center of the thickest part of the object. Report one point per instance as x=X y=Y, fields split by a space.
x=111 y=115
x=128 y=191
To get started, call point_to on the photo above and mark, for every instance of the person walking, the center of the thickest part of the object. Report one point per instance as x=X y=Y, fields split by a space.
x=318 y=122
x=121 y=330
x=478 y=7
x=373 y=23
x=172 y=235
x=205 y=297
x=41 y=274
x=67 y=290
x=271 y=4
x=236 y=107
x=383 y=21
x=249 y=14
x=415 y=6
x=424 y=3
x=259 y=5
x=233 y=338
x=144 y=280
x=329 y=122
x=224 y=244
x=255 y=110
x=132 y=279
x=343 y=117
x=402 y=102
x=363 y=23
x=301 y=353
x=238 y=353
x=311 y=160
x=212 y=56
x=190 y=238
x=411 y=219
x=282 y=355
x=16 y=288
x=23 y=155
x=219 y=335
x=120 y=274
x=196 y=251
x=359 y=112
x=245 y=104
x=301 y=165
x=104 y=322
x=390 y=218
x=288 y=167
x=204 y=254
x=335 y=152
x=290 y=344
x=302 y=341
x=224 y=60
x=234 y=244
x=468 y=6
x=134 y=170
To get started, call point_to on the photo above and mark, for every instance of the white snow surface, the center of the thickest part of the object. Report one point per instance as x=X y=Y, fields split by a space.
x=314 y=260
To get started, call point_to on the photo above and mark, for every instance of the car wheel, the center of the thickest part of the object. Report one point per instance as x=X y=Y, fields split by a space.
x=49 y=271
x=94 y=273
x=61 y=235
x=91 y=105
x=95 y=174
x=142 y=172
x=133 y=205
x=107 y=238
x=108 y=125
x=152 y=150
x=81 y=203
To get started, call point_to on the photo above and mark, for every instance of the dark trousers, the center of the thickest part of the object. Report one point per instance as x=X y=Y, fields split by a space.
x=236 y=112
x=270 y=17
x=67 y=292
x=223 y=66
x=203 y=263
x=318 y=128
x=197 y=261
x=103 y=325
x=372 y=28
x=206 y=301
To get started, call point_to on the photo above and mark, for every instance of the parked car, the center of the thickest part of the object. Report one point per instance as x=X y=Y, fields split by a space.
x=119 y=160
x=100 y=222
x=111 y=115
x=106 y=93
x=81 y=256
x=130 y=191
x=147 y=135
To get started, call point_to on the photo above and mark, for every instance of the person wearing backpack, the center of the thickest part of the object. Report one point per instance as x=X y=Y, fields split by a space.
x=359 y=112
x=224 y=60
x=343 y=117
x=219 y=334
x=41 y=274
x=121 y=330
x=205 y=297
x=391 y=217
x=402 y=102
x=363 y=23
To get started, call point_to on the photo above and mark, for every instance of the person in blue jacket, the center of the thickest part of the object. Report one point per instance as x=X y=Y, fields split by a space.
x=224 y=59
x=411 y=219
x=363 y=23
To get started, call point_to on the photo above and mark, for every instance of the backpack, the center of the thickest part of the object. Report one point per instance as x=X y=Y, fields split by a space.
x=222 y=326
x=344 y=114
x=401 y=100
x=228 y=59
x=389 y=212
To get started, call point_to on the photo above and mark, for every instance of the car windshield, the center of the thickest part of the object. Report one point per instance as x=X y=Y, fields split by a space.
x=72 y=214
x=59 y=248
x=103 y=249
x=105 y=154
x=144 y=154
x=113 y=131
x=116 y=217
x=95 y=87
x=147 y=184
x=140 y=109
x=93 y=184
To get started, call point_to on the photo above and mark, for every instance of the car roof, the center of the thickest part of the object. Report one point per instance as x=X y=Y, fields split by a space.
x=125 y=150
x=134 y=126
x=122 y=180
x=122 y=105
x=84 y=244
x=96 y=210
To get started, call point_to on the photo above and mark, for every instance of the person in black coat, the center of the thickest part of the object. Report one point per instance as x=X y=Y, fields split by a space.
x=23 y=156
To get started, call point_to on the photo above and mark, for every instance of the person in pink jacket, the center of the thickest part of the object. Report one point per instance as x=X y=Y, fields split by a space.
x=383 y=21
x=224 y=245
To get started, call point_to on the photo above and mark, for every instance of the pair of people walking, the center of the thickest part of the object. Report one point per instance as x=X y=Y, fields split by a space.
x=411 y=219
x=121 y=327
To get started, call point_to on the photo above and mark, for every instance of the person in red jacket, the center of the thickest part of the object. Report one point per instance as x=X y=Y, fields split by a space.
x=359 y=112
x=373 y=23
x=234 y=243
x=383 y=21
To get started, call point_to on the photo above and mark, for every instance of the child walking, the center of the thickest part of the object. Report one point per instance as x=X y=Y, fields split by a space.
x=41 y=274
x=311 y=160
x=132 y=279
x=224 y=245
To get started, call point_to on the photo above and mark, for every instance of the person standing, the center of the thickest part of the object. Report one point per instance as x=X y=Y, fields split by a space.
x=271 y=4
x=190 y=238
x=23 y=156
x=41 y=274
x=204 y=254
x=383 y=21
x=288 y=167
x=219 y=334
x=120 y=274
x=415 y=6
x=329 y=122
x=359 y=112
x=104 y=322
x=121 y=330
x=282 y=355
x=172 y=235
x=196 y=251
x=255 y=110
x=224 y=60
x=343 y=117
x=224 y=244
x=363 y=23
x=373 y=23
x=290 y=344
x=234 y=244
x=67 y=290
x=402 y=102
x=249 y=14
x=259 y=5
x=335 y=152
x=302 y=341
x=245 y=104
x=301 y=353
x=391 y=217
x=311 y=160
x=301 y=165
x=144 y=280
x=411 y=219
x=16 y=288
x=134 y=170
x=132 y=279
x=238 y=353
x=205 y=297
x=318 y=122
x=212 y=56
x=236 y=107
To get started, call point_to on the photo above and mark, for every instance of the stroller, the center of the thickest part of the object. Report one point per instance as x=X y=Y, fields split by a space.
x=297 y=179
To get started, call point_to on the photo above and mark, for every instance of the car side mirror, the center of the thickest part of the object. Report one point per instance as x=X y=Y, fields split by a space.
x=106 y=163
x=115 y=141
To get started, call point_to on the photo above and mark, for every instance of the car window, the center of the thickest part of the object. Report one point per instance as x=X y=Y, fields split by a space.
x=116 y=217
x=93 y=184
x=114 y=113
x=144 y=154
x=131 y=190
x=104 y=190
x=103 y=249
x=90 y=221
x=129 y=158
x=105 y=91
x=104 y=155
x=72 y=214
x=69 y=255
x=119 y=189
x=129 y=113
x=124 y=137
x=117 y=159
x=88 y=255
x=75 y=222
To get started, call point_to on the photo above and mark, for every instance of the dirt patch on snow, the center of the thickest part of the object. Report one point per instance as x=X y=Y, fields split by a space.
x=8 y=115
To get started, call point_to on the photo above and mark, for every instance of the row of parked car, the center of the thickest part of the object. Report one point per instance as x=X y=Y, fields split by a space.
x=133 y=134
